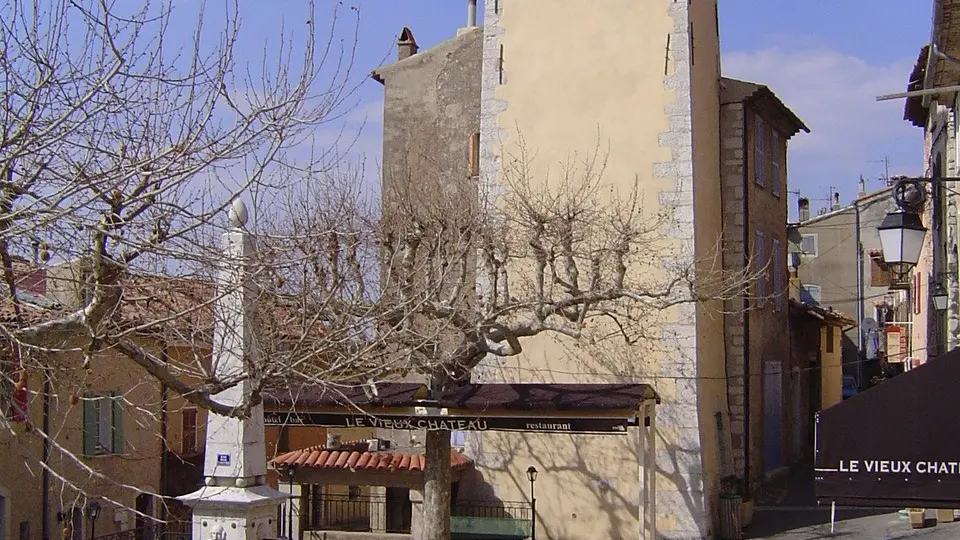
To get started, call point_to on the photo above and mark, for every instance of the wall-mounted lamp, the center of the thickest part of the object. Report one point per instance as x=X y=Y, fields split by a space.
x=940 y=297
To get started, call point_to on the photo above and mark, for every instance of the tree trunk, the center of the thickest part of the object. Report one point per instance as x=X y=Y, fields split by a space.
x=436 y=486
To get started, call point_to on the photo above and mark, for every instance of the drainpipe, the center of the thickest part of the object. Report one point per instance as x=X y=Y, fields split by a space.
x=165 y=358
x=746 y=318
x=45 y=475
x=860 y=291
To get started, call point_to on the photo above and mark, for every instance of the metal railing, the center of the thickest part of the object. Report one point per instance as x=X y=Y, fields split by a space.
x=353 y=513
x=174 y=530
x=379 y=514
x=493 y=510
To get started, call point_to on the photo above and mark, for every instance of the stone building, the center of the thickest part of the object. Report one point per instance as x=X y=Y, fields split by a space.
x=755 y=127
x=936 y=114
x=647 y=88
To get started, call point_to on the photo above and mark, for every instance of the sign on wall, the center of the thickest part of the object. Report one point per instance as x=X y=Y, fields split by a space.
x=896 y=344
x=453 y=423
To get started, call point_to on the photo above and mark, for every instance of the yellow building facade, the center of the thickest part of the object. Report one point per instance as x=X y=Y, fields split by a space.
x=639 y=80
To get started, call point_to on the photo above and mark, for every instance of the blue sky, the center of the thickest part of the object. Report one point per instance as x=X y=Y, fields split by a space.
x=827 y=59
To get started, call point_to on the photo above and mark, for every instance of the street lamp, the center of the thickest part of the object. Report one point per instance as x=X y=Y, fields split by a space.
x=93 y=512
x=940 y=297
x=532 y=476
x=901 y=237
x=902 y=232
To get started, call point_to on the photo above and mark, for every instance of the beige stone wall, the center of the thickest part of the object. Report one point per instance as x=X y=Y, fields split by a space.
x=708 y=224
x=564 y=77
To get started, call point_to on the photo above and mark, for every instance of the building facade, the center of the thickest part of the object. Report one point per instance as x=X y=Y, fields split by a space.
x=841 y=267
x=936 y=114
x=657 y=114
x=103 y=419
x=651 y=98
x=756 y=126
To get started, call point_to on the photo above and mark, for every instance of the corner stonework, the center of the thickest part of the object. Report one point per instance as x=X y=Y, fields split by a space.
x=682 y=500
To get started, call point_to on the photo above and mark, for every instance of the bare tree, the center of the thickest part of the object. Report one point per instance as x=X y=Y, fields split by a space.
x=466 y=274
x=121 y=147
x=125 y=128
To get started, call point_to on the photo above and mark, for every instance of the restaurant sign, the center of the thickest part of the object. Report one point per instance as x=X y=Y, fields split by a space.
x=453 y=423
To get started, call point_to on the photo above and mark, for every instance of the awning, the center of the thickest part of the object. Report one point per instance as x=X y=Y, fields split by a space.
x=896 y=444
x=549 y=408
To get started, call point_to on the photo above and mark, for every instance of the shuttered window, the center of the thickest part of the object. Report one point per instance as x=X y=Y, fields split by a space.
x=102 y=424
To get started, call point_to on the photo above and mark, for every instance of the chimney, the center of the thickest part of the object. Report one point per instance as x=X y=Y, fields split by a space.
x=836 y=201
x=471 y=13
x=406 y=45
x=804 y=208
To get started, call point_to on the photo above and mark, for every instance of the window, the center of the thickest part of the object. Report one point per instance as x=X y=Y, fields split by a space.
x=759 y=158
x=809 y=245
x=775 y=179
x=777 y=276
x=810 y=294
x=830 y=337
x=188 y=439
x=353 y=493
x=761 y=264
x=102 y=425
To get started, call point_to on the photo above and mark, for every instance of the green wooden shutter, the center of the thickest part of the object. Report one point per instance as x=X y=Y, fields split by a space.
x=117 y=423
x=89 y=427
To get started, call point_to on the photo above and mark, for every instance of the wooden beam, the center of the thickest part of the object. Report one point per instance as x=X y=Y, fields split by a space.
x=917 y=93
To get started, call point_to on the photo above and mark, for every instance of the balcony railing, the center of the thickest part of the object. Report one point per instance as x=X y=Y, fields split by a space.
x=378 y=514
x=174 y=530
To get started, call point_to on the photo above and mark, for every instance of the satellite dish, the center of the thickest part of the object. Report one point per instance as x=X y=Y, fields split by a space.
x=869 y=325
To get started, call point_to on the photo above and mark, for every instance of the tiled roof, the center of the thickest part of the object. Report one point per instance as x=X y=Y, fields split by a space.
x=737 y=91
x=318 y=457
x=827 y=315
x=544 y=397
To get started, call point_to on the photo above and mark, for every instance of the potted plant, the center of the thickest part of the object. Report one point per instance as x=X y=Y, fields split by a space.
x=917 y=517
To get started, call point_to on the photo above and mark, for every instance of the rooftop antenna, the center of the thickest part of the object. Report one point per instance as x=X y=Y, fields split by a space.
x=886 y=168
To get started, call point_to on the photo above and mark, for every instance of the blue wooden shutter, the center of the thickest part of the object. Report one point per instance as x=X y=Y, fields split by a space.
x=117 y=422
x=89 y=427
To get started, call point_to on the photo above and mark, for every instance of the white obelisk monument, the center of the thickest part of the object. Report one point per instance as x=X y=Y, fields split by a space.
x=235 y=503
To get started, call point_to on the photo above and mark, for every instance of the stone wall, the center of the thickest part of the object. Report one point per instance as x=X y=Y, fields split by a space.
x=732 y=173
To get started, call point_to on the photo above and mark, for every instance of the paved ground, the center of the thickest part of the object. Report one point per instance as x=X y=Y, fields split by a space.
x=787 y=510
x=809 y=523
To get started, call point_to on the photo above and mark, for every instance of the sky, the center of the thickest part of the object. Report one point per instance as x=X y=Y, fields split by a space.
x=826 y=59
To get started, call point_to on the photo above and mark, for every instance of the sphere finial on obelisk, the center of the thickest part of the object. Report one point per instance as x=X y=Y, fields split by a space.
x=237 y=214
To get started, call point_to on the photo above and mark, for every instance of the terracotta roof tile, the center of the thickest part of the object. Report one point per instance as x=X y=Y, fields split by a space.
x=317 y=457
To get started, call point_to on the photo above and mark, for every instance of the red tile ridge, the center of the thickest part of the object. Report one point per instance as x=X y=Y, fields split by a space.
x=318 y=457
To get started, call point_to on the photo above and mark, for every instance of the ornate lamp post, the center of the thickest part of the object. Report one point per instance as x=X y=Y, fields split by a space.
x=532 y=476
x=93 y=513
